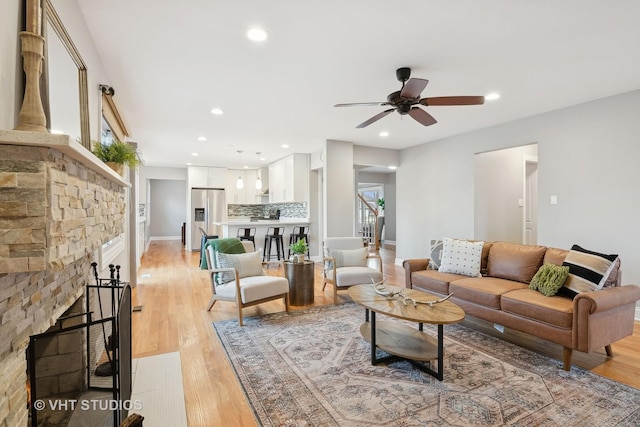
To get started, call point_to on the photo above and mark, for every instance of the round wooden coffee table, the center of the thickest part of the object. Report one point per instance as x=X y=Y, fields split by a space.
x=400 y=340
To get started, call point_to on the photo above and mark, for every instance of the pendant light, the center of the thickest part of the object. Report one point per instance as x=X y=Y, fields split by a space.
x=240 y=181
x=258 y=180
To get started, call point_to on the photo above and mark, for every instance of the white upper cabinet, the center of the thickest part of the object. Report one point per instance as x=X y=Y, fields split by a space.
x=289 y=179
x=206 y=177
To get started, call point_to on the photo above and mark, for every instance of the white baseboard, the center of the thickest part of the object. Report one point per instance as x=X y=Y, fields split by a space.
x=165 y=238
x=389 y=242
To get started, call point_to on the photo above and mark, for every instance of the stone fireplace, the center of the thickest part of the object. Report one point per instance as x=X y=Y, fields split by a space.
x=58 y=206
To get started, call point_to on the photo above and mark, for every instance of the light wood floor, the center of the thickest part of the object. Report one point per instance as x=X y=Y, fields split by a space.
x=174 y=292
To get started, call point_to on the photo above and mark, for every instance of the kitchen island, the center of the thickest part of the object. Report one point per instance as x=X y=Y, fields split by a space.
x=231 y=226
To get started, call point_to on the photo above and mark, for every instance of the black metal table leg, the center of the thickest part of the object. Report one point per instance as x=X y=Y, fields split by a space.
x=373 y=337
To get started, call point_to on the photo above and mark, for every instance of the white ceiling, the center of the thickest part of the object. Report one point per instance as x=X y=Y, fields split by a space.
x=171 y=62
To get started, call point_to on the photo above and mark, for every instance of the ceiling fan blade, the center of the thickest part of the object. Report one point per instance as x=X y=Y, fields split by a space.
x=413 y=88
x=375 y=118
x=362 y=104
x=422 y=116
x=453 y=100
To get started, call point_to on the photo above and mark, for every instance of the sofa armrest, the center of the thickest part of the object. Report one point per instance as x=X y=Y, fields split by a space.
x=607 y=299
x=603 y=317
x=411 y=265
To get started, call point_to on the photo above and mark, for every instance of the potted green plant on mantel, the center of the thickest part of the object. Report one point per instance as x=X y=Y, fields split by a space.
x=299 y=249
x=116 y=154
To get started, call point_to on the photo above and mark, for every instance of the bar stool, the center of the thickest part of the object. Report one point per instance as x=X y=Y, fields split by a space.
x=273 y=234
x=299 y=232
x=247 y=233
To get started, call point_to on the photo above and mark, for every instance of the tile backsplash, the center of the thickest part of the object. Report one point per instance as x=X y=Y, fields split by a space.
x=287 y=210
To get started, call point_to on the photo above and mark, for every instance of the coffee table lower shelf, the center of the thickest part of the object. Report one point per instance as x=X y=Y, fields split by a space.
x=403 y=341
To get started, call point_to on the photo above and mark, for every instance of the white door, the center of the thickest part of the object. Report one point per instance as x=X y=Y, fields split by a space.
x=530 y=216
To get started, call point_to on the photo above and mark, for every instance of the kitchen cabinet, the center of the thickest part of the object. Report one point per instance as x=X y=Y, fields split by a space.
x=206 y=177
x=289 y=179
x=248 y=194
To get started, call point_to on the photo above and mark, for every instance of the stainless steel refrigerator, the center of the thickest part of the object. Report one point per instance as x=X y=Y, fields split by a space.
x=207 y=207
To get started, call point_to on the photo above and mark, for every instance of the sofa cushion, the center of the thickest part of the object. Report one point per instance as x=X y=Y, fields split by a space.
x=485 y=257
x=555 y=256
x=514 y=262
x=433 y=280
x=485 y=291
x=556 y=310
x=461 y=257
x=588 y=270
x=549 y=279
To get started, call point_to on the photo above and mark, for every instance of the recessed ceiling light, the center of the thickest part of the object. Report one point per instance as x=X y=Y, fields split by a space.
x=189 y=163
x=57 y=132
x=393 y=167
x=384 y=134
x=257 y=35
x=202 y=138
x=262 y=158
x=285 y=146
x=217 y=111
x=195 y=154
x=492 y=96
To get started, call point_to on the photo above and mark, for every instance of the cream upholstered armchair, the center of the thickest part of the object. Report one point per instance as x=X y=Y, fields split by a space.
x=240 y=277
x=347 y=263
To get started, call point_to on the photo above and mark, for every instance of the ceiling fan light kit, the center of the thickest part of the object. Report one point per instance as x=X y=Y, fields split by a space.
x=406 y=100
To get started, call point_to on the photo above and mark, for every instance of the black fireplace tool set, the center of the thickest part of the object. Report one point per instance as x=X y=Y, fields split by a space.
x=110 y=342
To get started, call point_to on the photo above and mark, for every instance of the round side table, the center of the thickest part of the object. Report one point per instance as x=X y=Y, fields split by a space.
x=300 y=276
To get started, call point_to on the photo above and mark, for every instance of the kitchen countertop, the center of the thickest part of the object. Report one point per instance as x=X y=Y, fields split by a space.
x=245 y=222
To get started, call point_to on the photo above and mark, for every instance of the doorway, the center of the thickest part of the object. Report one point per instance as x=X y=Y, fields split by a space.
x=530 y=208
x=506 y=194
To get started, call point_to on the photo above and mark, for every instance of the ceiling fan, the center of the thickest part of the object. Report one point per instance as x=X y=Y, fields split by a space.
x=405 y=100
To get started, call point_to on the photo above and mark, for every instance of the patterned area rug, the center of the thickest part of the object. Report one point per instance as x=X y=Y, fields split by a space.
x=312 y=368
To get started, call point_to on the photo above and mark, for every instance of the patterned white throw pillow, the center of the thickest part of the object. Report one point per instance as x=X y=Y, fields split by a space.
x=461 y=257
x=248 y=264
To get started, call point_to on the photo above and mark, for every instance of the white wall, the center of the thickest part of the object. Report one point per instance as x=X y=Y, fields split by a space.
x=587 y=156
x=152 y=172
x=339 y=189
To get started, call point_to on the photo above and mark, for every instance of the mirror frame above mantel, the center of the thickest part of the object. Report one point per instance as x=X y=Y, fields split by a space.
x=52 y=19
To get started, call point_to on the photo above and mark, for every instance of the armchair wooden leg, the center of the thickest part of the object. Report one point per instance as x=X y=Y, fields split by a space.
x=324 y=285
x=286 y=302
x=566 y=358
x=211 y=302
x=240 y=320
x=335 y=293
x=609 y=350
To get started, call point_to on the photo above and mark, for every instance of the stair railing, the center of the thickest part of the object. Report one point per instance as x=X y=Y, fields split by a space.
x=368 y=222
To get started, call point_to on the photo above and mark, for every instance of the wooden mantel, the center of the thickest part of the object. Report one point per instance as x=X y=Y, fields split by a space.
x=66 y=145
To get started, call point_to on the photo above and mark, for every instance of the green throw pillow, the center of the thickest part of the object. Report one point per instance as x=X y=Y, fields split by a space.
x=230 y=245
x=549 y=279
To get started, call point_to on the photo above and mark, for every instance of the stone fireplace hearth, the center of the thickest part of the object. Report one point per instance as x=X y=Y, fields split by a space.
x=58 y=206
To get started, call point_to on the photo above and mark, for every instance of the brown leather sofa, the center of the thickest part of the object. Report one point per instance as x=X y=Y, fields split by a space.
x=587 y=322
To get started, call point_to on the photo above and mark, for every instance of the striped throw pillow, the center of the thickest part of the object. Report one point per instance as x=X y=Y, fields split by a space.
x=588 y=270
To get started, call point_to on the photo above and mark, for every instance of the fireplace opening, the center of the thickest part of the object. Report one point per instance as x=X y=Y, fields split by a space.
x=79 y=371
